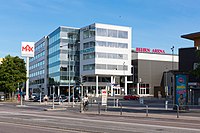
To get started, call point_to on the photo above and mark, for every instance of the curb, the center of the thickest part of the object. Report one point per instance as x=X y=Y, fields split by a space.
x=55 y=109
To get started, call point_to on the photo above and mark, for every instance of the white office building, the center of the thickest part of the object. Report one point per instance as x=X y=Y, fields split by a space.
x=105 y=58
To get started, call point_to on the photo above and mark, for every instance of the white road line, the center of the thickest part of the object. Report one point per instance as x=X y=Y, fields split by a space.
x=106 y=121
x=40 y=127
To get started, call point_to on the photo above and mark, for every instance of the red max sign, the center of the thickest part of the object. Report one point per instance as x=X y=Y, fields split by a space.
x=148 y=50
x=27 y=49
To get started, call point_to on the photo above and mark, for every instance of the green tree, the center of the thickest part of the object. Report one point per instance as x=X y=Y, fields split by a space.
x=12 y=72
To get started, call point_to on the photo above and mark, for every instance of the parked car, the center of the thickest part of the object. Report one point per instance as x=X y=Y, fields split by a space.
x=131 y=97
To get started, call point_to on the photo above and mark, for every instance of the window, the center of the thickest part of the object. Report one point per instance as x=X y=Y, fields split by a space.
x=88 y=67
x=122 y=34
x=85 y=34
x=112 y=33
x=101 y=32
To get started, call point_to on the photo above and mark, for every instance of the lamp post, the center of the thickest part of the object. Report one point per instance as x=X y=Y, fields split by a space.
x=53 y=95
x=124 y=77
x=166 y=86
x=172 y=48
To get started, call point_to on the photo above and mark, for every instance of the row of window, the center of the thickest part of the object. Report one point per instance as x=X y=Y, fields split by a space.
x=54 y=69
x=54 y=59
x=111 y=56
x=88 y=56
x=54 y=38
x=88 y=33
x=37 y=56
x=36 y=65
x=111 y=33
x=105 y=55
x=105 y=67
x=54 y=49
x=111 y=44
x=40 y=46
x=36 y=73
x=88 y=45
x=39 y=81
x=88 y=67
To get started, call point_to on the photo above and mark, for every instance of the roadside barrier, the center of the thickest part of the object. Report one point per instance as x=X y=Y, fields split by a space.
x=120 y=108
x=147 y=111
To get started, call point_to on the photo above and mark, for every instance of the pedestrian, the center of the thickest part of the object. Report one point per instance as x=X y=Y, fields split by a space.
x=45 y=99
x=85 y=102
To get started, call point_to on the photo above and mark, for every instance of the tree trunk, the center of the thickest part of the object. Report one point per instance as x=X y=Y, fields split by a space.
x=10 y=94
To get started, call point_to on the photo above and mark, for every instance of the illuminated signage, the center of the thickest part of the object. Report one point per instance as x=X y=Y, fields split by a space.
x=148 y=50
x=88 y=50
x=181 y=89
x=27 y=49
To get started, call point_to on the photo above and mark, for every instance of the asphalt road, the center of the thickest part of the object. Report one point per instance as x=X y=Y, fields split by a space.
x=31 y=119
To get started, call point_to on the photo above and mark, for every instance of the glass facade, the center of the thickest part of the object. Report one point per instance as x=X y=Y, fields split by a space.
x=63 y=56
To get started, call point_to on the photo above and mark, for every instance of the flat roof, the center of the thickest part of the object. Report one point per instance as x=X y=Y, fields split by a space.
x=191 y=36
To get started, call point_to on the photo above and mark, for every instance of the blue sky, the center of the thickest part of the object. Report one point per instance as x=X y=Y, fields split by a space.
x=155 y=23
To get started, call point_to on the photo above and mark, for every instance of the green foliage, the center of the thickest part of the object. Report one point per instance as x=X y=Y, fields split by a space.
x=12 y=72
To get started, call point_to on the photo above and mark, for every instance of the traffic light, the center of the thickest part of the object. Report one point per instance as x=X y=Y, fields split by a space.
x=78 y=81
x=84 y=79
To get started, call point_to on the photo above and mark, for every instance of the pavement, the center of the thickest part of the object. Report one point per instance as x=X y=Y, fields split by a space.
x=139 y=112
x=130 y=111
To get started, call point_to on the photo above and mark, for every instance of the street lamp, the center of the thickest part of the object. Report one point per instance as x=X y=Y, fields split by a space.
x=53 y=94
x=172 y=48
x=166 y=86
x=124 y=77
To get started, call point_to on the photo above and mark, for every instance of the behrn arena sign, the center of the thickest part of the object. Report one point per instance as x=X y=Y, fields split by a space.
x=148 y=50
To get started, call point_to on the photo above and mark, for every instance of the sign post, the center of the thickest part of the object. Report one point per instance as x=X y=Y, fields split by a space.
x=27 y=50
x=104 y=97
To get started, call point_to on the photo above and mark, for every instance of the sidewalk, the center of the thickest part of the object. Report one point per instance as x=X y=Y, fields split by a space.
x=139 y=112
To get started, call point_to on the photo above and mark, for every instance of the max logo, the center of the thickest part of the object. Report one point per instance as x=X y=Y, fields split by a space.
x=27 y=48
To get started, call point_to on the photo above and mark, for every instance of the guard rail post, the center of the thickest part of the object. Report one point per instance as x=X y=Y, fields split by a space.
x=147 y=111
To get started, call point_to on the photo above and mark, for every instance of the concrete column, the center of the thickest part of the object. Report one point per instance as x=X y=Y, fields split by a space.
x=58 y=90
x=125 y=86
x=50 y=90
x=87 y=87
x=138 y=88
x=97 y=85
x=111 y=87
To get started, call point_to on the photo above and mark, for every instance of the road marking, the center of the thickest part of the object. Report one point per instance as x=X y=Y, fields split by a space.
x=106 y=121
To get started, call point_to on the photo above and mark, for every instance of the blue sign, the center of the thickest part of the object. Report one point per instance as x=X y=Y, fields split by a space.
x=88 y=50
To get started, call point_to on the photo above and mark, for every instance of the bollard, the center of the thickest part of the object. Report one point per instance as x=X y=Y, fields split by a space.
x=80 y=107
x=120 y=109
x=166 y=105
x=177 y=107
x=147 y=112
x=98 y=108
x=117 y=102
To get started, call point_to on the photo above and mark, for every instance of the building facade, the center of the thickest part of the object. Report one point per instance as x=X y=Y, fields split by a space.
x=148 y=68
x=105 y=57
x=188 y=62
x=99 y=52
